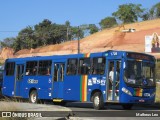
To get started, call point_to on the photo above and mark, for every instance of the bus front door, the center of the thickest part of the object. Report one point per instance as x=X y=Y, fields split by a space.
x=18 y=79
x=58 y=79
x=113 y=80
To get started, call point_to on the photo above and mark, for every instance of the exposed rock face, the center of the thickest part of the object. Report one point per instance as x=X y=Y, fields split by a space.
x=7 y=53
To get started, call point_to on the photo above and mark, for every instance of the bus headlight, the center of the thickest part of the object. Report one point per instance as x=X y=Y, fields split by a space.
x=126 y=91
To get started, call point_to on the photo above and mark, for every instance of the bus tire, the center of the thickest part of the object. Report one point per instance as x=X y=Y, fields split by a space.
x=98 y=102
x=127 y=106
x=60 y=103
x=63 y=103
x=33 y=97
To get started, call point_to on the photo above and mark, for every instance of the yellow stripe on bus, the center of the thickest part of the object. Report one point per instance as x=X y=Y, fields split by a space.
x=85 y=87
x=87 y=55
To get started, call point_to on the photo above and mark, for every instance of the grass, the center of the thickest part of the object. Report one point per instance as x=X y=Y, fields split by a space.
x=158 y=94
x=158 y=70
x=158 y=85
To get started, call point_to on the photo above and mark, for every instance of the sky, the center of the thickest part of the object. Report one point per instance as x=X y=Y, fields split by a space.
x=15 y=15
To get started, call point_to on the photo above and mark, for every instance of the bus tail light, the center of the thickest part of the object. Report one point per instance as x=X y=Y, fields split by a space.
x=126 y=91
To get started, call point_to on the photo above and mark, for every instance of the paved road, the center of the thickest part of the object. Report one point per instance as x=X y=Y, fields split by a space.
x=77 y=106
x=114 y=111
x=85 y=108
x=82 y=110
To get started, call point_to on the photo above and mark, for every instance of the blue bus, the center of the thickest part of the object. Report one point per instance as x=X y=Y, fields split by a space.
x=122 y=77
x=1 y=77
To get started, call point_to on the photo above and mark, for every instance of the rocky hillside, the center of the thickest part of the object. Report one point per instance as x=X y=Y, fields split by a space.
x=108 y=39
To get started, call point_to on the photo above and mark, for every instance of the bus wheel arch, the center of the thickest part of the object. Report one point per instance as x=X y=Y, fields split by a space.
x=97 y=99
x=93 y=92
x=33 y=95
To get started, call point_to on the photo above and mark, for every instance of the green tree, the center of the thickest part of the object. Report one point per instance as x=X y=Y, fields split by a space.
x=18 y=44
x=129 y=13
x=24 y=40
x=77 y=32
x=42 y=32
x=45 y=33
x=93 y=28
x=108 y=22
x=146 y=15
x=155 y=10
x=8 y=42
x=60 y=32
x=27 y=38
x=51 y=33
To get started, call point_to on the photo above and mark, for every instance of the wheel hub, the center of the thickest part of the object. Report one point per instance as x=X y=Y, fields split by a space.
x=33 y=98
x=96 y=101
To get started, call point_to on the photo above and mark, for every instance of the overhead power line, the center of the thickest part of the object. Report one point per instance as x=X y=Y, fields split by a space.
x=9 y=31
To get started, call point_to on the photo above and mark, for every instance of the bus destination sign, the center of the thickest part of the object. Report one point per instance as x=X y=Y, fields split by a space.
x=139 y=56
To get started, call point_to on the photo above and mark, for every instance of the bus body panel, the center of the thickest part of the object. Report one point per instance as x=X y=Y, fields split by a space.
x=72 y=88
x=8 y=86
x=139 y=95
x=95 y=83
x=78 y=87
x=43 y=85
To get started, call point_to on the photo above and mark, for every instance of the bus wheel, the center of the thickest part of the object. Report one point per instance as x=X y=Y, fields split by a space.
x=127 y=106
x=98 y=102
x=63 y=103
x=33 y=97
x=60 y=103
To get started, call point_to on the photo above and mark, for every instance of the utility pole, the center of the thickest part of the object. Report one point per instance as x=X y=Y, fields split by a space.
x=78 y=40
x=67 y=32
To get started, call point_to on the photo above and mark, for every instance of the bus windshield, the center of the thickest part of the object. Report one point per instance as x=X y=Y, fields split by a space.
x=140 y=73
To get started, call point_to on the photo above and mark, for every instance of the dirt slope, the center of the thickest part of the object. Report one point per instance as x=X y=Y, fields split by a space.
x=104 y=40
x=6 y=53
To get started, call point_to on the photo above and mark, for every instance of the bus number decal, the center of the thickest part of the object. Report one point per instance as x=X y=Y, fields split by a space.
x=90 y=82
x=103 y=82
x=32 y=81
x=95 y=81
x=114 y=53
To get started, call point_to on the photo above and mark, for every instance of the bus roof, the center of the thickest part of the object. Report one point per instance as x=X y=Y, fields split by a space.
x=106 y=53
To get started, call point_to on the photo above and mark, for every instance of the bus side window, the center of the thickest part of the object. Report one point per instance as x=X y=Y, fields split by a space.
x=98 y=66
x=31 y=68
x=45 y=67
x=10 y=67
x=19 y=72
x=84 y=66
x=56 y=72
x=72 y=67
x=62 y=66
